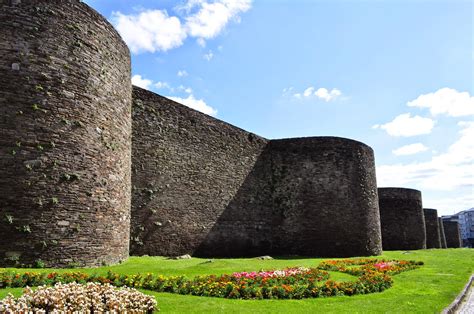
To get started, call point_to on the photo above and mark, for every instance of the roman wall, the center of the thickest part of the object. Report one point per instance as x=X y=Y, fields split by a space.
x=65 y=144
x=402 y=219
x=441 y=233
x=433 y=238
x=453 y=236
x=207 y=188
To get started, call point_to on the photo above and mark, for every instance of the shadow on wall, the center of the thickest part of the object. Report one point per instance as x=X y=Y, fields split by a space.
x=300 y=199
x=207 y=188
x=249 y=225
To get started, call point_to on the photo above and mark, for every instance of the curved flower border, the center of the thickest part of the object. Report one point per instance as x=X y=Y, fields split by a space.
x=374 y=275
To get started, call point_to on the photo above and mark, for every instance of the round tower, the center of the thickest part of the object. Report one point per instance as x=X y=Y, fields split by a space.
x=325 y=191
x=433 y=238
x=452 y=233
x=65 y=136
x=441 y=233
x=402 y=219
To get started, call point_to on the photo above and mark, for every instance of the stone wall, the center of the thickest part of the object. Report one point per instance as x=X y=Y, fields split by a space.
x=433 y=239
x=441 y=233
x=453 y=236
x=402 y=219
x=189 y=170
x=204 y=187
x=65 y=144
x=322 y=185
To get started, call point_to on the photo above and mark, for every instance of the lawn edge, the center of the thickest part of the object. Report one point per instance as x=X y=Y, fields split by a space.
x=451 y=309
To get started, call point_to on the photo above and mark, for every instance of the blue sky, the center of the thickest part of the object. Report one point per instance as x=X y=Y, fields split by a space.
x=396 y=75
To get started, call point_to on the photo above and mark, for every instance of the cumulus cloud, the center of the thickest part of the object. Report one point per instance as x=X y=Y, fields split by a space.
x=151 y=30
x=410 y=149
x=155 y=30
x=162 y=85
x=139 y=81
x=211 y=17
x=446 y=101
x=447 y=171
x=326 y=95
x=208 y=56
x=406 y=125
x=182 y=73
x=308 y=92
x=320 y=93
x=197 y=104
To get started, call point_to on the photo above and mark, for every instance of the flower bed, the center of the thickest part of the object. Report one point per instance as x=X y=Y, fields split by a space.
x=358 y=267
x=79 y=298
x=291 y=283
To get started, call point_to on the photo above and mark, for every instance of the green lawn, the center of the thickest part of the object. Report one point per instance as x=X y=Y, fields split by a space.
x=428 y=289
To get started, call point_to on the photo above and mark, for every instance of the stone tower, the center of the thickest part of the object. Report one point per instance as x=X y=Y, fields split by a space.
x=402 y=219
x=65 y=135
x=433 y=237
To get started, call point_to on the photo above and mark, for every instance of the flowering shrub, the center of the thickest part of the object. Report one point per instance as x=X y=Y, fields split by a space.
x=272 y=273
x=75 y=297
x=291 y=283
x=357 y=267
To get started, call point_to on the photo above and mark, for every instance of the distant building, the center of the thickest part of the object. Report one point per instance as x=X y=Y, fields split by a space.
x=466 y=225
x=465 y=219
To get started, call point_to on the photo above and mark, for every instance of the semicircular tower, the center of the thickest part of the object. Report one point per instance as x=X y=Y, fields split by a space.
x=433 y=237
x=452 y=233
x=65 y=135
x=325 y=191
x=441 y=233
x=402 y=219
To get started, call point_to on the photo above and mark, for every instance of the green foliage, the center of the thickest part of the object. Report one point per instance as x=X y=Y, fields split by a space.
x=39 y=264
x=24 y=229
x=9 y=219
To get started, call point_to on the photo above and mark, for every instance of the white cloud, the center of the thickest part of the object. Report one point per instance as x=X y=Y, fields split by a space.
x=451 y=205
x=162 y=85
x=410 y=149
x=151 y=30
x=139 y=81
x=211 y=17
x=308 y=92
x=321 y=93
x=187 y=90
x=208 y=56
x=446 y=101
x=201 y=42
x=448 y=171
x=155 y=30
x=405 y=125
x=197 y=104
x=182 y=73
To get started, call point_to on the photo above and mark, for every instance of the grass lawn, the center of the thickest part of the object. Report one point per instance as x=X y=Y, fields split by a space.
x=428 y=289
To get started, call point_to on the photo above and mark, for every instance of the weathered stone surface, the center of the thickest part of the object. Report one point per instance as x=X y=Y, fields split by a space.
x=187 y=169
x=433 y=238
x=452 y=233
x=402 y=219
x=441 y=232
x=64 y=188
x=204 y=187
x=322 y=185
